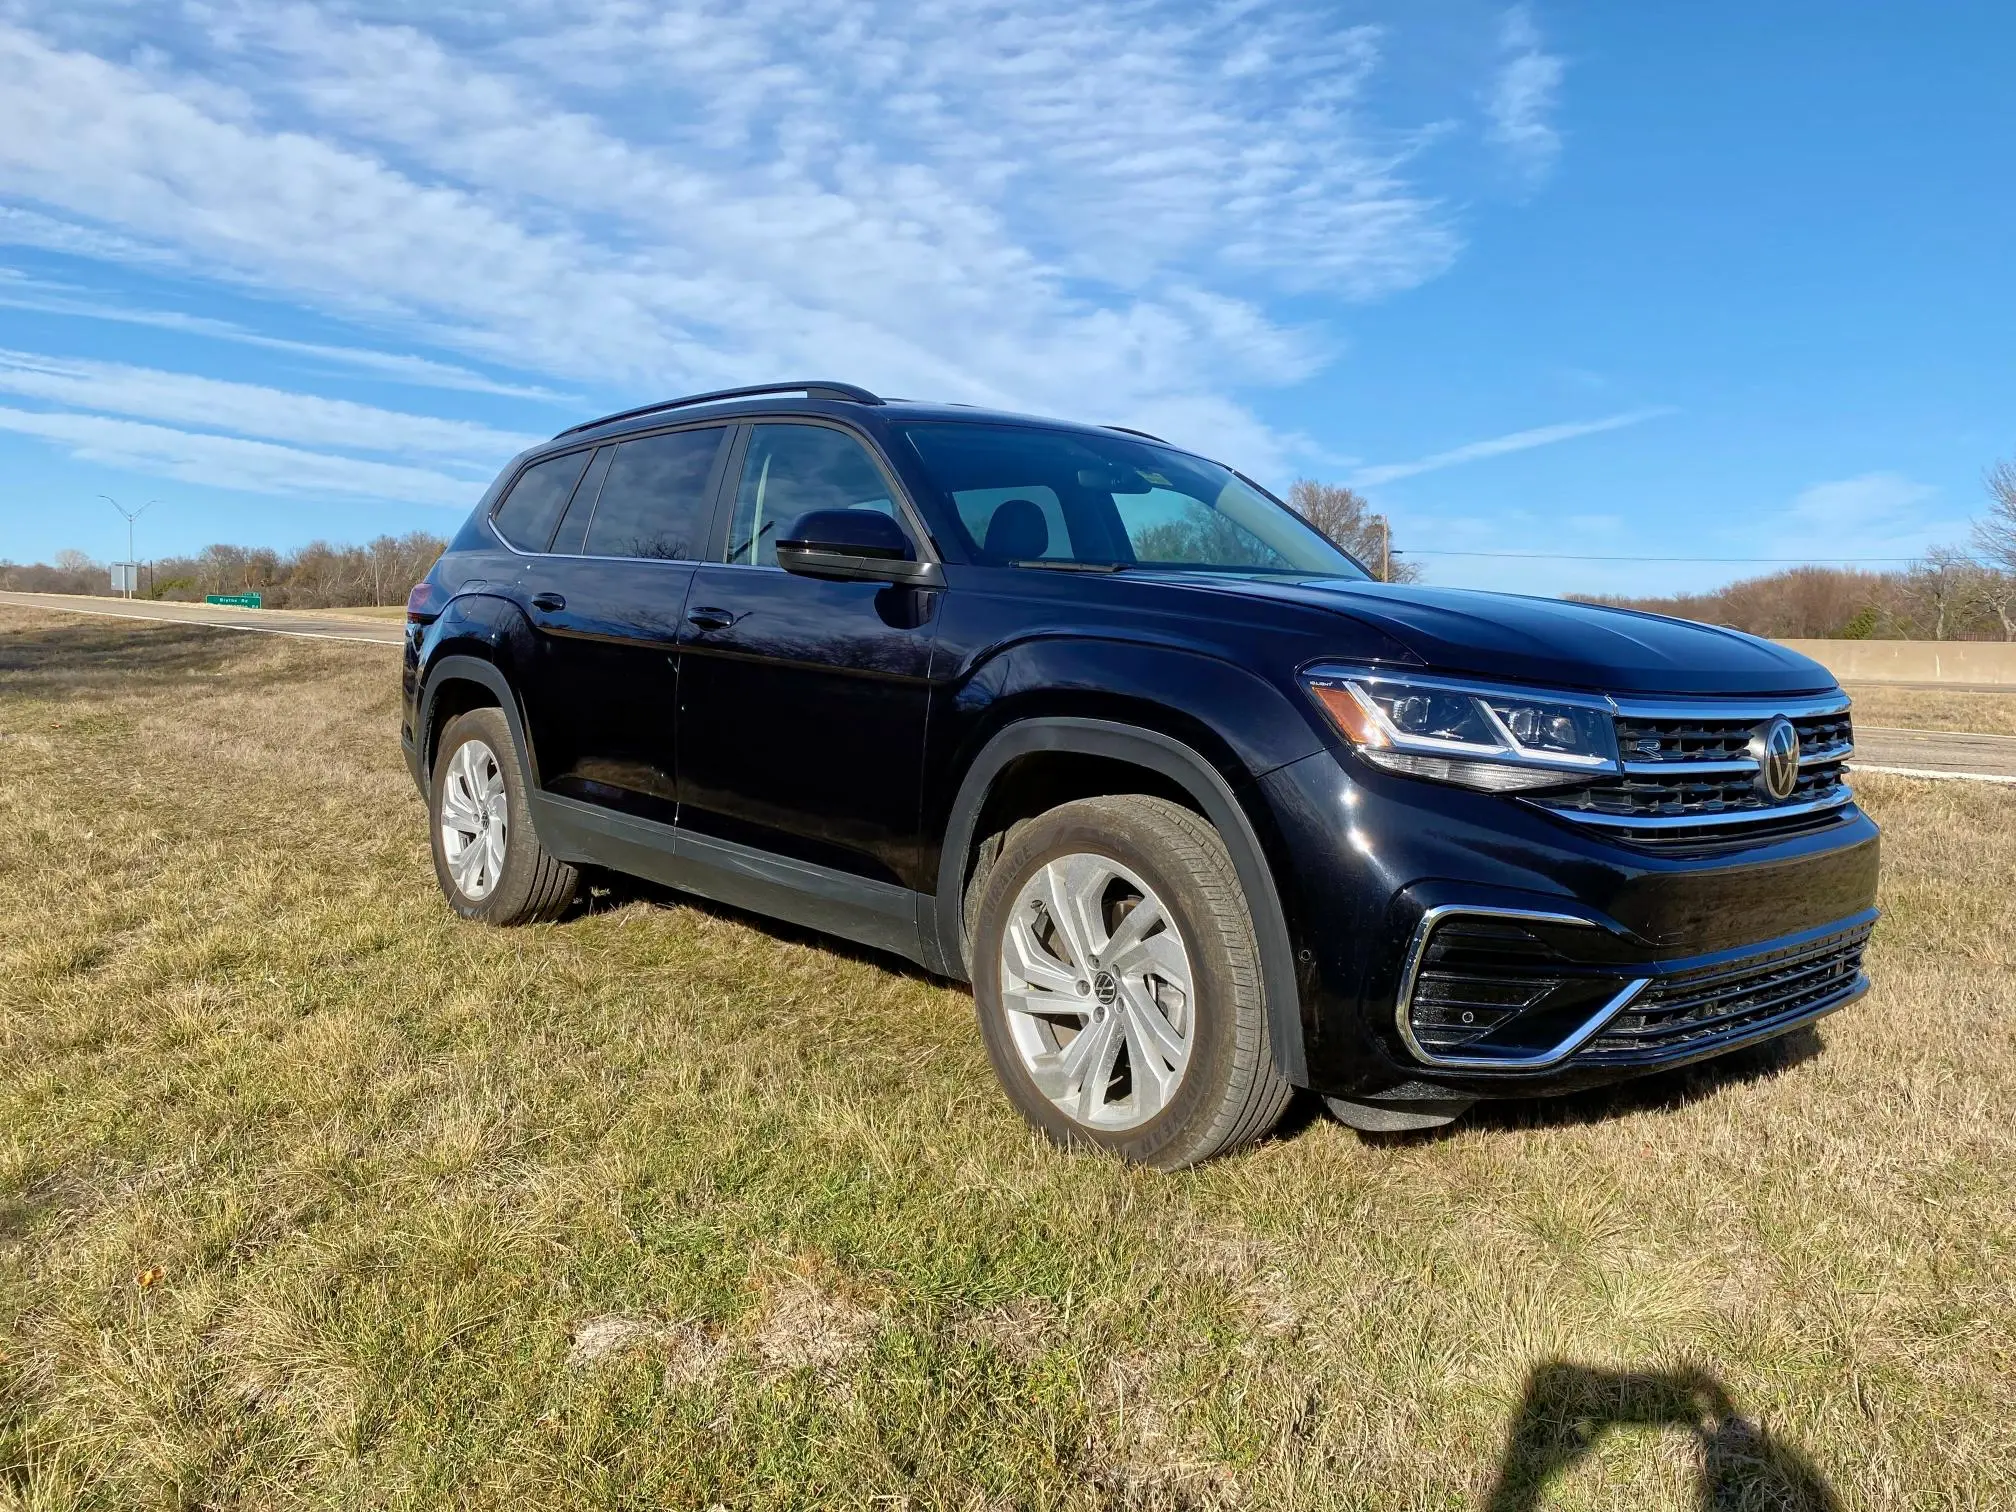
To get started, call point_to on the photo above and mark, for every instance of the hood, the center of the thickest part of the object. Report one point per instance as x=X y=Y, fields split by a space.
x=1552 y=641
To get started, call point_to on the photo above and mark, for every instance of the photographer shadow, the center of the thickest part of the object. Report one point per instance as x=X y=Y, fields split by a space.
x=1568 y=1408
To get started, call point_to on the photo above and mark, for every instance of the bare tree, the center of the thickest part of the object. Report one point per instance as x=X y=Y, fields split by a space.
x=1942 y=586
x=1995 y=544
x=1996 y=592
x=1346 y=517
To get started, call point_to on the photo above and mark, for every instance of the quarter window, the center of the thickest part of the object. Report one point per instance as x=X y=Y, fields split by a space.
x=530 y=511
x=791 y=469
x=654 y=501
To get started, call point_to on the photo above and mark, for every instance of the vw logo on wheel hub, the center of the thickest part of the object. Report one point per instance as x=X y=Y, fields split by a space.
x=1776 y=747
x=1105 y=988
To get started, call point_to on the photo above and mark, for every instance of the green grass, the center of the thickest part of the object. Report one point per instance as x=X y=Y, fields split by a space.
x=661 y=1206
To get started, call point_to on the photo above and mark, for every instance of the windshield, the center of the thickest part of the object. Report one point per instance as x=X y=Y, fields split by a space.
x=1027 y=496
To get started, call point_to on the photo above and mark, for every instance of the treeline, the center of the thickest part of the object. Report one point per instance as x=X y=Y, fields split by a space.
x=1953 y=594
x=318 y=576
x=1945 y=597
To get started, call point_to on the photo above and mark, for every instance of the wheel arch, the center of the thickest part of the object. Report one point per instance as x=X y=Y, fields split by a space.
x=1151 y=761
x=457 y=683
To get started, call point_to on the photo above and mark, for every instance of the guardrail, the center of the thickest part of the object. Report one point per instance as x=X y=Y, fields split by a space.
x=1979 y=662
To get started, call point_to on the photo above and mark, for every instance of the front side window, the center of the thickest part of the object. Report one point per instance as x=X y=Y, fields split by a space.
x=654 y=501
x=530 y=511
x=791 y=469
x=1027 y=495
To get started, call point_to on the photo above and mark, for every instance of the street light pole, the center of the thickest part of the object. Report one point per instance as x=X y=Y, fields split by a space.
x=131 y=516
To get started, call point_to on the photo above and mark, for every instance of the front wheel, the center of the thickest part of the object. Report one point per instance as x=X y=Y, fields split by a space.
x=489 y=863
x=1117 y=982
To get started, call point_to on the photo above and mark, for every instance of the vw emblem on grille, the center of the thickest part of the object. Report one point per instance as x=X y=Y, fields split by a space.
x=1776 y=749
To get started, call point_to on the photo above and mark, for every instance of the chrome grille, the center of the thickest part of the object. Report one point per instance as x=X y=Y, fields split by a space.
x=1689 y=774
x=1697 y=1009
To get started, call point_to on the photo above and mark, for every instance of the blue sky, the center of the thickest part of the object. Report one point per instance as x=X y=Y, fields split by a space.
x=1710 y=281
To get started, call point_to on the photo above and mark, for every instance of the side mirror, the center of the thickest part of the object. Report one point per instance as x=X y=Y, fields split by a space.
x=853 y=545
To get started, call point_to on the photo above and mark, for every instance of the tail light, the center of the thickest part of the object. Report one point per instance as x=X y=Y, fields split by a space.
x=425 y=603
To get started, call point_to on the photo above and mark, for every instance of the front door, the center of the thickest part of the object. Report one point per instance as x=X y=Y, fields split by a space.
x=803 y=702
x=607 y=605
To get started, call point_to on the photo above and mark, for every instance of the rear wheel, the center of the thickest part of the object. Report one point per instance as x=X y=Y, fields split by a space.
x=487 y=859
x=1118 y=983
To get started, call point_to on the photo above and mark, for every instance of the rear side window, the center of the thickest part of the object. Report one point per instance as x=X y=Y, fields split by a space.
x=791 y=469
x=530 y=511
x=654 y=501
x=574 y=524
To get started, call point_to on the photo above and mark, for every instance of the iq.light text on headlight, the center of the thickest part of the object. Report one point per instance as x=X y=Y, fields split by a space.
x=1492 y=738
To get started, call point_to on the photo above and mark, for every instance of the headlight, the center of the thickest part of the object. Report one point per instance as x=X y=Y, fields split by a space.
x=1499 y=740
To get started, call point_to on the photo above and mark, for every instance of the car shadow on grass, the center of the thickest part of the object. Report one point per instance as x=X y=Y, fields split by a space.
x=607 y=891
x=1663 y=1091
x=1657 y=1092
x=1567 y=1409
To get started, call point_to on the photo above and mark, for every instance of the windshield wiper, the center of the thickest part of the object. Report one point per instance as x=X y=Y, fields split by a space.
x=1054 y=564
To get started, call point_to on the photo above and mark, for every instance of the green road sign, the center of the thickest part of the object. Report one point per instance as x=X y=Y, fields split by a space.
x=242 y=600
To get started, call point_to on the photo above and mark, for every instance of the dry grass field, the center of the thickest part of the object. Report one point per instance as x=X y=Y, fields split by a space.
x=312 y=1196
x=1935 y=708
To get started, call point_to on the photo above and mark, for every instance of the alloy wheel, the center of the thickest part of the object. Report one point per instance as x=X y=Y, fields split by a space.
x=475 y=819
x=1099 y=991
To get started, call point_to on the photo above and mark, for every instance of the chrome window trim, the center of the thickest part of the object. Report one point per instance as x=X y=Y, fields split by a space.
x=1597 y=820
x=1418 y=948
x=927 y=548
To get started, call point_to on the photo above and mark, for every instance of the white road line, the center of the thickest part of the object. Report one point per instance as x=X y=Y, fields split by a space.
x=1862 y=729
x=1890 y=771
x=177 y=619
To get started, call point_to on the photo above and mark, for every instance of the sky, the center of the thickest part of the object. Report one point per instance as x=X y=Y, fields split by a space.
x=1624 y=298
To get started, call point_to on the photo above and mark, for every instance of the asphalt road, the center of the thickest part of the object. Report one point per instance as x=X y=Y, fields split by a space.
x=1934 y=753
x=1918 y=753
x=297 y=622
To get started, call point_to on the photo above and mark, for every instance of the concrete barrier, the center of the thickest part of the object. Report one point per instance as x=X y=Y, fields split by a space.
x=1976 y=662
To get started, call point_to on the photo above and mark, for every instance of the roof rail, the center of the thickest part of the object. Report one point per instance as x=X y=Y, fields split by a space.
x=815 y=389
x=1128 y=429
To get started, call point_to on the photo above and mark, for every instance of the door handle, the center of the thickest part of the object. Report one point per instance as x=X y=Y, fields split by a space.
x=710 y=619
x=552 y=603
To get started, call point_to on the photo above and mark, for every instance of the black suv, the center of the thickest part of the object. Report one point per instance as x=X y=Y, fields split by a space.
x=1202 y=811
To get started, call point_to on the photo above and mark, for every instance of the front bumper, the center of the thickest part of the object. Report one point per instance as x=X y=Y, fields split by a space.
x=1582 y=960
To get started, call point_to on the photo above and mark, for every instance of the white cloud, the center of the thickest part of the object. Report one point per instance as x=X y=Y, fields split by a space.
x=1063 y=206
x=1498 y=446
x=1881 y=499
x=1521 y=103
x=229 y=462
x=398 y=367
x=250 y=409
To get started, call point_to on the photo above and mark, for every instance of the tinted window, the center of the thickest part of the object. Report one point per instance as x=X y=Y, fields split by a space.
x=654 y=501
x=790 y=469
x=530 y=511
x=1118 y=501
x=574 y=523
x=980 y=509
x=1164 y=525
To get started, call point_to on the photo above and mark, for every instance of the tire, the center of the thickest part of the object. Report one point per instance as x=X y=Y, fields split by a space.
x=487 y=858
x=1194 y=966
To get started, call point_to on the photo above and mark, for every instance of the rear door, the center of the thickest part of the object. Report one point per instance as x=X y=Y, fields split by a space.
x=803 y=702
x=607 y=602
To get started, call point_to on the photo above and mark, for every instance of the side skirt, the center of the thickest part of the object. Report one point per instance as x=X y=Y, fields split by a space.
x=877 y=914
